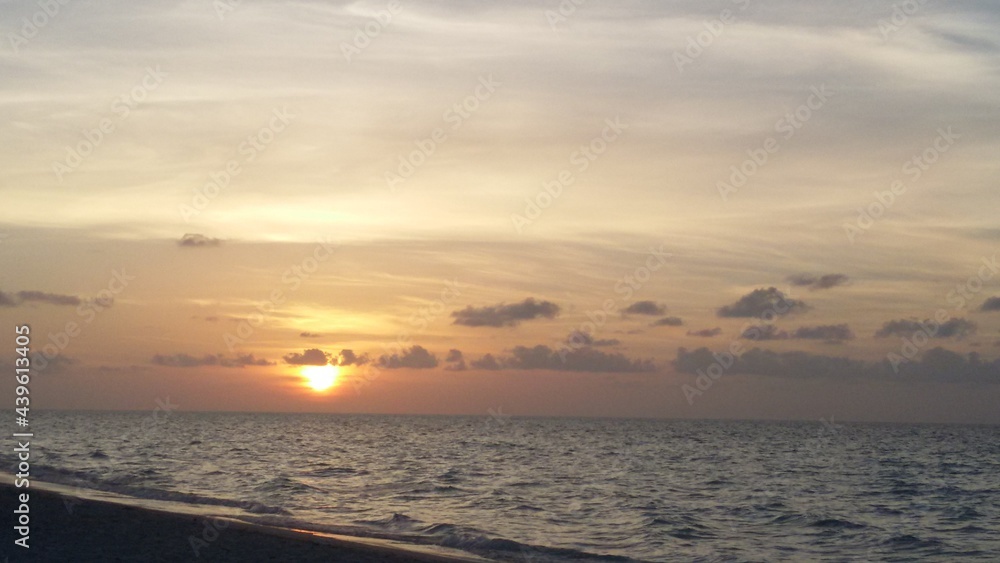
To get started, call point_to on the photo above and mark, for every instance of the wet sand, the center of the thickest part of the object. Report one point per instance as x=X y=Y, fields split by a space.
x=65 y=528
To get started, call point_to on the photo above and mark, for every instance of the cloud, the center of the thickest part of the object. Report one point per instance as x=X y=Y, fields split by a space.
x=505 y=315
x=991 y=304
x=937 y=364
x=188 y=361
x=668 y=321
x=55 y=365
x=310 y=357
x=415 y=357
x=50 y=298
x=456 y=360
x=349 y=358
x=760 y=303
x=185 y=360
x=645 y=308
x=828 y=333
x=21 y=297
x=243 y=361
x=764 y=332
x=586 y=359
x=705 y=333
x=487 y=362
x=957 y=328
x=822 y=282
x=579 y=338
x=309 y=335
x=195 y=240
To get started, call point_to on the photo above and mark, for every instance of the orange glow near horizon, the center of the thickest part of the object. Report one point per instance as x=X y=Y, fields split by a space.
x=320 y=378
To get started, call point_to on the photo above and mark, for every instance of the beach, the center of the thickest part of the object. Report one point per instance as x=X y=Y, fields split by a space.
x=68 y=528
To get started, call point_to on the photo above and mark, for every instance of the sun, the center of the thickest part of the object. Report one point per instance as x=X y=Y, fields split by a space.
x=320 y=378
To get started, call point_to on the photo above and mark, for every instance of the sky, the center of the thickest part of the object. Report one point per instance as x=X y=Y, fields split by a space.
x=730 y=209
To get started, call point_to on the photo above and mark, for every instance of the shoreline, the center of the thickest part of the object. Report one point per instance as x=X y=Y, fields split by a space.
x=65 y=526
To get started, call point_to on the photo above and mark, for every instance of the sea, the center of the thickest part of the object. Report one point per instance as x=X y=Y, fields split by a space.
x=556 y=489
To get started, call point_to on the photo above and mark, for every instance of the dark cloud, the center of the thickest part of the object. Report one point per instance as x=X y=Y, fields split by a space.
x=185 y=360
x=582 y=359
x=505 y=315
x=705 y=333
x=645 y=308
x=349 y=358
x=579 y=338
x=828 y=333
x=488 y=362
x=991 y=304
x=936 y=364
x=310 y=357
x=586 y=359
x=51 y=366
x=956 y=328
x=188 y=361
x=196 y=240
x=822 y=282
x=764 y=332
x=49 y=298
x=309 y=335
x=21 y=297
x=761 y=303
x=415 y=357
x=456 y=360
x=668 y=321
x=243 y=361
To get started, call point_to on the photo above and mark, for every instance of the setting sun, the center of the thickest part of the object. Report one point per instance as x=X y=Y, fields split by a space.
x=320 y=378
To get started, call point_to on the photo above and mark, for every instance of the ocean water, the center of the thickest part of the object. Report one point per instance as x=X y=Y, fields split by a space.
x=541 y=489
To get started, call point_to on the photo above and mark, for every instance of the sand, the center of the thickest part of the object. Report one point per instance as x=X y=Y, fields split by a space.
x=65 y=528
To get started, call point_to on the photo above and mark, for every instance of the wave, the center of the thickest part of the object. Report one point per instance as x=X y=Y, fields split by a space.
x=136 y=485
x=836 y=523
x=403 y=528
x=282 y=484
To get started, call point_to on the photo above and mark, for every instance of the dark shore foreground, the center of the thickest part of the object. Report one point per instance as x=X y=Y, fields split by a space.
x=66 y=528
